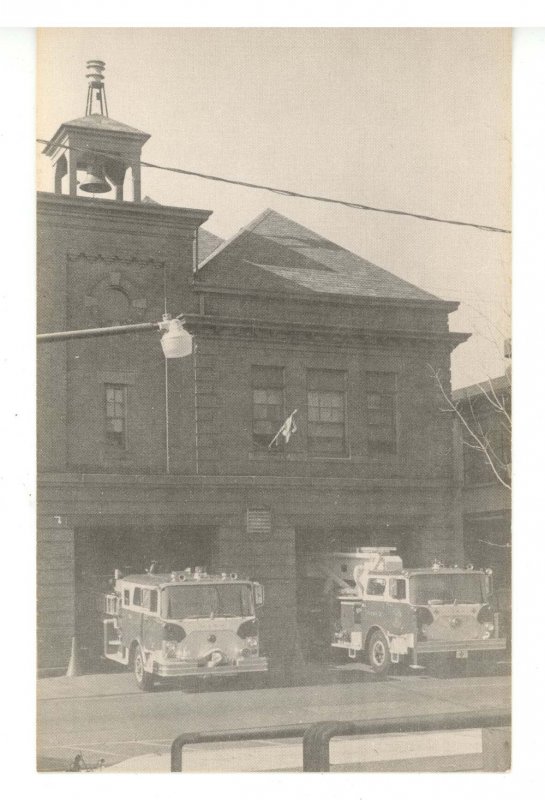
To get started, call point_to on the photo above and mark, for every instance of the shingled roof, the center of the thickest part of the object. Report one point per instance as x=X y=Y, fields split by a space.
x=101 y=123
x=274 y=253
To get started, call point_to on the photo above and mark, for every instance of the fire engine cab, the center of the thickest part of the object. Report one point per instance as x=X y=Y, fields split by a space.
x=183 y=624
x=384 y=613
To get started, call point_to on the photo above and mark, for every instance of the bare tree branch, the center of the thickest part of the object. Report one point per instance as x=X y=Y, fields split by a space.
x=479 y=440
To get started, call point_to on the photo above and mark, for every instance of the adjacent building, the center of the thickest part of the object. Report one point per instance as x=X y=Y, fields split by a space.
x=144 y=458
x=484 y=466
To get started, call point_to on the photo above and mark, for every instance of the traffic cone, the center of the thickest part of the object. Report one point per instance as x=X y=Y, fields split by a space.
x=74 y=665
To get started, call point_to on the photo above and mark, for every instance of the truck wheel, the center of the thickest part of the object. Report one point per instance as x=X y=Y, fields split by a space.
x=144 y=680
x=378 y=653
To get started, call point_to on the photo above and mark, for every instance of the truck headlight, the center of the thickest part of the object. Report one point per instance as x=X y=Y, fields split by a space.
x=252 y=644
x=169 y=648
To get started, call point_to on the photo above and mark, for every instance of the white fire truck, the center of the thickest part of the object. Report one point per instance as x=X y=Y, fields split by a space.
x=383 y=613
x=183 y=624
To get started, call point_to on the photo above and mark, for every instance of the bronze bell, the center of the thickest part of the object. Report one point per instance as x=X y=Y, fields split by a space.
x=95 y=181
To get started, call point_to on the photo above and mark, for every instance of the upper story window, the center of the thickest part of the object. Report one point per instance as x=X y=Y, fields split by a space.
x=116 y=415
x=381 y=391
x=326 y=393
x=268 y=404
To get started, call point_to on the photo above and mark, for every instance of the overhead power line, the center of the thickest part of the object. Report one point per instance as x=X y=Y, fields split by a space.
x=290 y=193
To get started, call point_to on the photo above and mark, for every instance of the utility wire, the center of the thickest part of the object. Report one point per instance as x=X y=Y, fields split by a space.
x=289 y=193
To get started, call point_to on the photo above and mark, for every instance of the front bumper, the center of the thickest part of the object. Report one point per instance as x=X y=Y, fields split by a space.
x=452 y=647
x=180 y=669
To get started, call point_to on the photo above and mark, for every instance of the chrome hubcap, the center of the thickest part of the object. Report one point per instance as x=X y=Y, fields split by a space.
x=379 y=653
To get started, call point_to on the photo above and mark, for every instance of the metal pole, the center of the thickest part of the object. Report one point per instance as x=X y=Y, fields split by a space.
x=166 y=416
x=110 y=331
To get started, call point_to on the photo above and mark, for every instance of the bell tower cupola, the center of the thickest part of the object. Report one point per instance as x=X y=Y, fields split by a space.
x=94 y=154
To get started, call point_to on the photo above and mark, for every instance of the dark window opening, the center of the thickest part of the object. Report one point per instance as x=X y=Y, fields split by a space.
x=376 y=586
x=398 y=589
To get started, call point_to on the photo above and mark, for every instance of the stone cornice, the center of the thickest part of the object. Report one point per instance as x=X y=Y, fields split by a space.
x=209 y=288
x=300 y=331
x=162 y=481
x=85 y=212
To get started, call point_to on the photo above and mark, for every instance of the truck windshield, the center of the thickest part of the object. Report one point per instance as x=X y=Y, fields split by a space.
x=436 y=589
x=207 y=600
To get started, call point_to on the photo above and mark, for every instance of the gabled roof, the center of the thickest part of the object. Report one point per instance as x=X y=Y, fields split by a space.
x=208 y=243
x=274 y=253
x=499 y=386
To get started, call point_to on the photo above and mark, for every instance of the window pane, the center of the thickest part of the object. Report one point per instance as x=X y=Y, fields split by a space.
x=260 y=396
x=260 y=412
x=115 y=415
x=274 y=396
x=336 y=400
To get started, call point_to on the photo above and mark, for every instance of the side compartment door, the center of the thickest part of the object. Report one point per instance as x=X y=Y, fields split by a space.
x=151 y=625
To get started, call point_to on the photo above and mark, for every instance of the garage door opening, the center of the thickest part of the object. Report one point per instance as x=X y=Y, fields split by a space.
x=314 y=612
x=99 y=552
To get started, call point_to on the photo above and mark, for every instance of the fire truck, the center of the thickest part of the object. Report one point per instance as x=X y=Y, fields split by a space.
x=182 y=624
x=384 y=614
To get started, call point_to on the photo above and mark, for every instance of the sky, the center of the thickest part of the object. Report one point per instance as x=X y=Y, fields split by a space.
x=411 y=119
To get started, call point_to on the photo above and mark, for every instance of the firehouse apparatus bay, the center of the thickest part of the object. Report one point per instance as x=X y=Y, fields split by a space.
x=183 y=624
x=385 y=614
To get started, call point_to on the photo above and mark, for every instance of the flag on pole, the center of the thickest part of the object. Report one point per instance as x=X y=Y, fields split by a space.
x=287 y=430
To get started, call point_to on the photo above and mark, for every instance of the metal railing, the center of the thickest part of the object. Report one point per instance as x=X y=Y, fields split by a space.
x=317 y=736
x=276 y=732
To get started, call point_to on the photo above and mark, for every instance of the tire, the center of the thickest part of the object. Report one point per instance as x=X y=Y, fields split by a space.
x=378 y=653
x=144 y=680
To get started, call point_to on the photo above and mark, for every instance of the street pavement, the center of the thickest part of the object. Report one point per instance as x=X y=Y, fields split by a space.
x=104 y=716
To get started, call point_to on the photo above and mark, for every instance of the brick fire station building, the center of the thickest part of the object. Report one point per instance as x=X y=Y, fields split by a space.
x=142 y=458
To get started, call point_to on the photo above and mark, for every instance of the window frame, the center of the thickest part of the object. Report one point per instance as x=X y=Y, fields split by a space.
x=113 y=445
x=260 y=444
x=312 y=441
